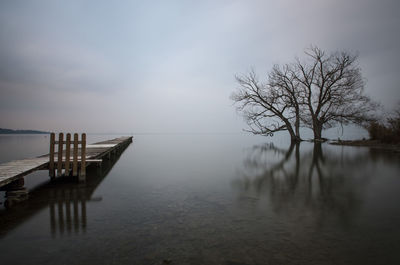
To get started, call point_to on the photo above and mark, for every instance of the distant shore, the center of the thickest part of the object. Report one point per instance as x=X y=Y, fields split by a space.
x=10 y=131
x=376 y=144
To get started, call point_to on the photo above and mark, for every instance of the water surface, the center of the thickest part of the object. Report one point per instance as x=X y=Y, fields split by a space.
x=209 y=199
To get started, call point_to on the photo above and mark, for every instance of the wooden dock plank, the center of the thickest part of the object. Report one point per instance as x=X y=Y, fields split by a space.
x=11 y=171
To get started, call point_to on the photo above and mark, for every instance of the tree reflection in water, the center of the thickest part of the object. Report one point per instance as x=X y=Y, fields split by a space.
x=316 y=183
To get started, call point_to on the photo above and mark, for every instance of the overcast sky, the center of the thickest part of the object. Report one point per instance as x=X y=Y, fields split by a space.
x=169 y=66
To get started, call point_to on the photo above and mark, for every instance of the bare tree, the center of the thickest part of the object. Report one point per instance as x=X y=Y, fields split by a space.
x=331 y=90
x=320 y=92
x=265 y=106
x=282 y=80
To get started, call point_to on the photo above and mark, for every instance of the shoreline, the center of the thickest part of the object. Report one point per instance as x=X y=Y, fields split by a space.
x=375 y=144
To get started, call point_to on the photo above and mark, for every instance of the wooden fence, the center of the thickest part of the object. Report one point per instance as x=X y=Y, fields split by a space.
x=63 y=160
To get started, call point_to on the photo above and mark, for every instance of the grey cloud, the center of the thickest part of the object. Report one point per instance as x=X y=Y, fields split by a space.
x=170 y=66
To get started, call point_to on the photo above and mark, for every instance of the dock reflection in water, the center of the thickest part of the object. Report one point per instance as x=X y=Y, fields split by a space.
x=65 y=198
x=68 y=210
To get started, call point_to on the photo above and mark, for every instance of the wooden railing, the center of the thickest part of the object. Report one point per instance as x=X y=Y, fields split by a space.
x=65 y=164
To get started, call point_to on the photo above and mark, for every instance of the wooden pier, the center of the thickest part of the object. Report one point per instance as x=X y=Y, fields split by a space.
x=64 y=199
x=66 y=161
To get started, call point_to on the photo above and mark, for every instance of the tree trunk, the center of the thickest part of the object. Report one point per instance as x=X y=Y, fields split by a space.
x=293 y=137
x=317 y=128
x=297 y=126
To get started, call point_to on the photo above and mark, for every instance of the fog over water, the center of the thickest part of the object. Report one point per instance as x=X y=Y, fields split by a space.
x=169 y=66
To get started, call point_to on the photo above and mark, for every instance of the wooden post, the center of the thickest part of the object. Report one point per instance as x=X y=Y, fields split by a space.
x=67 y=153
x=51 y=156
x=75 y=158
x=82 y=175
x=60 y=154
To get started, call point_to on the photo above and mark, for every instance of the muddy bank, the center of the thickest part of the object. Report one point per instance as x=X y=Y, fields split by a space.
x=376 y=144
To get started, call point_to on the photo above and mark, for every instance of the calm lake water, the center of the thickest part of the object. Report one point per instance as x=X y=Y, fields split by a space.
x=208 y=199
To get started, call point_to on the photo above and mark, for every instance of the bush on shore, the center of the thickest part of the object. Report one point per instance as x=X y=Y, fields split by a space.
x=387 y=131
